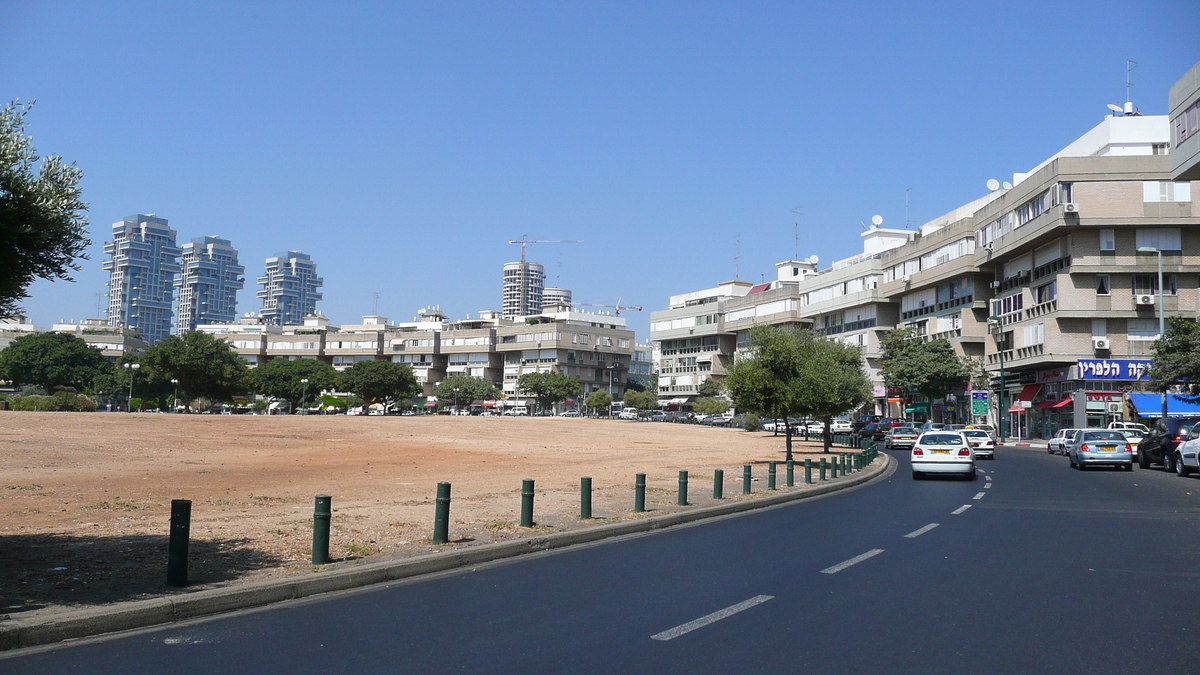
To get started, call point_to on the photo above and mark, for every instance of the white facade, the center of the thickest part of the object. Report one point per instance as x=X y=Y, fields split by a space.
x=523 y=286
x=142 y=267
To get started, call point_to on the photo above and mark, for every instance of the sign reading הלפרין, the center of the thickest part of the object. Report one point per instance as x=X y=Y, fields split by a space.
x=1113 y=369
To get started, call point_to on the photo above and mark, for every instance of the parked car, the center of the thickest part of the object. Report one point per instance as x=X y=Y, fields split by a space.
x=628 y=414
x=944 y=452
x=570 y=413
x=659 y=417
x=815 y=428
x=1099 y=447
x=1134 y=437
x=900 y=437
x=1187 y=455
x=1158 y=447
x=1057 y=445
x=875 y=430
x=841 y=426
x=981 y=442
x=1130 y=425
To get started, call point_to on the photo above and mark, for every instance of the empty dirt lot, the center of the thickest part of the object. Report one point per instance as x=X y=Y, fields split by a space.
x=85 y=498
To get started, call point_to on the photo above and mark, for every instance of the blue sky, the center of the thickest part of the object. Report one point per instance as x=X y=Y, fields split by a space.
x=403 y=144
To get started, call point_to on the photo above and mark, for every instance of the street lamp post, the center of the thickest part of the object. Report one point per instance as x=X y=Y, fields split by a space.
x=997 y=326
x=1161 y=317
x=175 y=397
x=456 y=390
x=304 y=398
x=133 y=368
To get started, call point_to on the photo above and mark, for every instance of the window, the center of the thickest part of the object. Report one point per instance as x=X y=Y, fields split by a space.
x=1142 y=329
x=1035 y=334
x=1160 y=148
x=1100 y=328
x=1103 y=285
x=1147 y=284
x=1166 y=191
x=1047 y=293
x=1161 y=238
x=1108 y=240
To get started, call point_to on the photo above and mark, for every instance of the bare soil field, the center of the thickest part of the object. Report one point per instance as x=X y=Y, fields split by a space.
x=85 y=497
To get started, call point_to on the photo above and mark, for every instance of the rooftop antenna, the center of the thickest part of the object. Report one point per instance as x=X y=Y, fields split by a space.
x=737 y=259
x=558 y=275
x=98 y=301
x=876 y=220
x=799 y=211
x=376 y=311
x=906 y=191
x=1130 y=66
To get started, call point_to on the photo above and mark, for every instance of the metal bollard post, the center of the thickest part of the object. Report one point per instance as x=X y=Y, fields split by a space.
x=683 y=480
x=791 y=473
x=822 y=468
x=746 y=479
x=718 y=484
x=322 y=513
x=806 y=434
x=771 y=476
x=177 y=546
x=441 y=515
x=527 y=502
x=585 y=498
x=833 y=467
x=639 y=493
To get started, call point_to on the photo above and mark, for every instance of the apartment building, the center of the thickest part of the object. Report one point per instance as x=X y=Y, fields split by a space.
x=112 y=341
x=289 y=288
x=1184 y=103
x=142 y=265
x=524 y=283
x=208 y=282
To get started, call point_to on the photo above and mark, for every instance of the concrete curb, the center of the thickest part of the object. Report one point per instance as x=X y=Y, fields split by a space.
x=143 y=613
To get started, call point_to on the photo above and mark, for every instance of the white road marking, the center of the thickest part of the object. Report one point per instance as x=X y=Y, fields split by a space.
x=853 y=561
x=916 y=533
x=711 y=618
x=986 y=486
x=960 y=509
x=979 y=495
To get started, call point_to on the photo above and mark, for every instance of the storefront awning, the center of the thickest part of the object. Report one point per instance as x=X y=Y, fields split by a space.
x=1150 y=406
x=1053 y=404
x=922 y=406
x=1028 y=392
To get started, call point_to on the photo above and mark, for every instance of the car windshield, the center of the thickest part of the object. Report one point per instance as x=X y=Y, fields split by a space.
x=976 y=434
x=1103 y=436
x=1132 y=433
x=941 y=439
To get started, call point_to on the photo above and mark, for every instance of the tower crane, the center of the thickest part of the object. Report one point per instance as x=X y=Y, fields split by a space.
x=616 y=308
x=523 y=308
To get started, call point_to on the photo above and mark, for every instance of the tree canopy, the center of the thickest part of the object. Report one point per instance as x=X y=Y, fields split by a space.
x=53 y=359
x=1176 y=365
x=204 y=365
x=42 y=223
x=280 y=379
x=710 y=405
x=469 y=389
x=642 y=400
x=549 y=388
x=932 y=368
x=383 y=382
x=600 y=400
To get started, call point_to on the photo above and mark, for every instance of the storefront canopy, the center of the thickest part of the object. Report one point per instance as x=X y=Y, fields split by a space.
x=1027 y=394
x=1053 y=404
x=1150 y=405
x=922 y=407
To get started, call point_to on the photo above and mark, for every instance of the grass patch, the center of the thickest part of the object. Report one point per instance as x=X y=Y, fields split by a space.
x=500 y=525
x=31 y=486
x=361 y=549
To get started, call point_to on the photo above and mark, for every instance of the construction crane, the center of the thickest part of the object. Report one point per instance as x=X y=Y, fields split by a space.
x=616 y=308
x=523 y=309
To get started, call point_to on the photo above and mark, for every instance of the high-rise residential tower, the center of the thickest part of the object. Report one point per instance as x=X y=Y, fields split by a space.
x=142 y=266
x=523 y=284
x=208 y=283
x=552 y=295
x=289 y=289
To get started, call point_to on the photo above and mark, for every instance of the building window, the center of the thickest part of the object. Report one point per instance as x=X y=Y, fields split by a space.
x=1047 y=293
x=1147 y=284
x=1100 y=328
x=1166 y=191
x=1103 y=285
x=1142 y=329
x=1108 y=240
x=1035 y=334
x=1161 y=238
x=1160 y=148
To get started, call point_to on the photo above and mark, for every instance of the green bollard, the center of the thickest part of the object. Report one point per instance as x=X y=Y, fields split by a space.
x=639 y=493
x=822 y=468
x=746 y=479
x=718 y=484
x=441 y=515
x=322 y=513
x=771 y=476
x=177 y=545
x=585 y=498
x=808 y=471
x=527 y=502
x=683 y=478
x=833 y=467
x=791 y=473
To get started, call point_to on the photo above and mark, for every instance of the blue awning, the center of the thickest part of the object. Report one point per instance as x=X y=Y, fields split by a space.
x=1150 y=406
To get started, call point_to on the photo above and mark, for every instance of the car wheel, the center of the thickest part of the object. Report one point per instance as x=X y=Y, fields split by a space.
x=971 y=476
x=1129 y=466
x=1143 y=461
x=1168 y=462
x=1182 y=470
x=1071 y=461
x=917 y=475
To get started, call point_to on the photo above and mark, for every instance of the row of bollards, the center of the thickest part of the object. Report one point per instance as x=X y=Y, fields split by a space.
x=843 y=463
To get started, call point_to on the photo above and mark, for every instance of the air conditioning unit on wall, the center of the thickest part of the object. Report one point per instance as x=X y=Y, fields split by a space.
x=1101 y=343
x=1114 y=407
x=1145 y=299
x=1070 y=207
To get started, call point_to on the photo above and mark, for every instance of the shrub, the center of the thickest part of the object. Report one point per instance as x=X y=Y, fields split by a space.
x=135 y=404
x=753 y=422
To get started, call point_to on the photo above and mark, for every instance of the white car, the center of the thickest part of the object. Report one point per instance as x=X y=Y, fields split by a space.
x=816 y=427
x=982 y=443
x=841 y=427
x=1057 y=445
x=1187 y=454
x=945 y=452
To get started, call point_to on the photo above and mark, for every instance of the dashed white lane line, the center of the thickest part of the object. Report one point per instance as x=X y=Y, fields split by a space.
x=979 y=495
x=960 y=509
x=853 y=561
x=987 y=485
x=711 y=618
x=916 y=533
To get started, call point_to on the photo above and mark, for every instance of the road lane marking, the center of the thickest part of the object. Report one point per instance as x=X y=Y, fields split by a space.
x=960 y=509
x=711 y=618
x=986 y=486
x=916 y=533
x=979 y=495
x=853 y=561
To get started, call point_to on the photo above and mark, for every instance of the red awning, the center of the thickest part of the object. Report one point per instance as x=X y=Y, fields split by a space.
x=1053 y=404
x=1029 y=392
x=759 y=288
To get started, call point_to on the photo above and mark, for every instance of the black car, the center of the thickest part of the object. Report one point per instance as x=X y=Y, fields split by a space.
x=875 y=430
x=1158 y=447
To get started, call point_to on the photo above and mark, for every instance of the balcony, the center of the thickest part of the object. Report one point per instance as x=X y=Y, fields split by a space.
x=1042 y=309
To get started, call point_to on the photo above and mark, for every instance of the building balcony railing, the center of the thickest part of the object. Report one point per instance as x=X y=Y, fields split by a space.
x=945 y=335
x=1042 y=309
x=1030 y=351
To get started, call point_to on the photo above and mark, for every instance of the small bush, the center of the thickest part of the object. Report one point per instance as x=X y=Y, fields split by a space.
x=33 y=390
x=753 y=422
x=135 y=404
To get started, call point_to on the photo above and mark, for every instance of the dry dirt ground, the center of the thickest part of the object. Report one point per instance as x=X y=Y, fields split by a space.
x=85 y=497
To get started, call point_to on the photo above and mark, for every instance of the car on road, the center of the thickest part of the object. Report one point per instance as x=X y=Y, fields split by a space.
x=1158 y=446
x=1134 y=437
x=570 y=413
x=1099 y=447
x=841 y=426
x=1057 y=445
x=1129 y=425
x=628 y=414
x=932 y=426
x=900 y=437
x=943 y=452
x=876 y=430
x=1186 y=459
x=815 y=428
x=981 y=442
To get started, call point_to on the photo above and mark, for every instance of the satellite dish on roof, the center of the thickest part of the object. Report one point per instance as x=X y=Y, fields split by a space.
x=876 y=220
x=1007 y=185
x=993 y=184
x=813 y=260
x=1115 y=108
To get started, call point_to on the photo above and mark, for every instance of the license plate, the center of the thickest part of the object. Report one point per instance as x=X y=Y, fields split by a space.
x=940 y=452
x=1108 y=448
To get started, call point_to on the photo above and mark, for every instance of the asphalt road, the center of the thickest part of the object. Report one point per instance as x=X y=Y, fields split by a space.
x=1048 y=570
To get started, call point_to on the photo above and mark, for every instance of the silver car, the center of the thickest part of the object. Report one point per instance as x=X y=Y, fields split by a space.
x=1058 y=443
x=1100 y=447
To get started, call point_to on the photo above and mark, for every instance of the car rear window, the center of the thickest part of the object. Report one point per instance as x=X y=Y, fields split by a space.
x=1103 y=436
x=972 y=432
x=941 y=439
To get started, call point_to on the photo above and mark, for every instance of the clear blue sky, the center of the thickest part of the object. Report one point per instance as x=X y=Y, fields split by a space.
x=403 y=144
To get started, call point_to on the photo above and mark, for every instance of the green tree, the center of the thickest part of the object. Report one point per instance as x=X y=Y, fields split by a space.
x=204 y=365
x=469 y=389
x=833 y=381
x=709 y=388
x=381 y=381
x=53 y=359
x=549 y=388
x=709 y=405
x=910 y=363
x=281 y=379
x=42 y=223
x=642 y=400
x=1176 y=364
x=599 y=400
